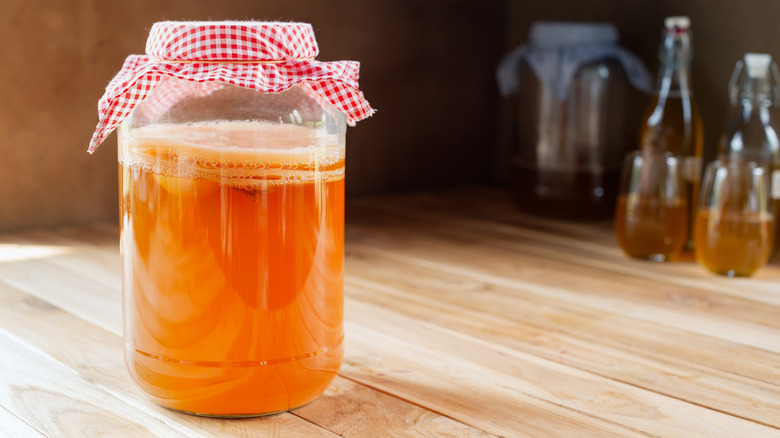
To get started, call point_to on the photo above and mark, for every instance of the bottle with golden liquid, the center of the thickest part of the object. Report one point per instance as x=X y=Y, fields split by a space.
x=672 y=122
x=750 y=134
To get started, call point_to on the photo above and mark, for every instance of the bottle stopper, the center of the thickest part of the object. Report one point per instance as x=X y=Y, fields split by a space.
x=677 y=24
x=757 y=64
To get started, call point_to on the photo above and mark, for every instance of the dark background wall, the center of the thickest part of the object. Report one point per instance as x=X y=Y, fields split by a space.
x=427 y=66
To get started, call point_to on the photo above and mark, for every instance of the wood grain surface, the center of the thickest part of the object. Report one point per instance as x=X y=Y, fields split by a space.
x=464 y=318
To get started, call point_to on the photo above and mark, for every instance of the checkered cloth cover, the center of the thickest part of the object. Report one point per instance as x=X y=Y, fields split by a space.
x=269 y=57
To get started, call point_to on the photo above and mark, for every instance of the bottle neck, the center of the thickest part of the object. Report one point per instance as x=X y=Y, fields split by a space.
x=755 y=93
x=673 y=124
x=750 y=133
x=674 y=81
x=674 y=76
x=753 y=114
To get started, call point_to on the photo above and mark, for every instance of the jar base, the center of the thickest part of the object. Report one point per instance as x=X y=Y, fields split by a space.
x=239 y=416
x=228 y=391
x=578 y=194
x=657 y=258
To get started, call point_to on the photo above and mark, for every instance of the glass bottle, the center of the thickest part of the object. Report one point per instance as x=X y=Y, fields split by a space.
x=672 y=122
x=750 y=133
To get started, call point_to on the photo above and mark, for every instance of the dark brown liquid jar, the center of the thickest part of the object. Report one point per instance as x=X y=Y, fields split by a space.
x=571 y=85
x=231 y=172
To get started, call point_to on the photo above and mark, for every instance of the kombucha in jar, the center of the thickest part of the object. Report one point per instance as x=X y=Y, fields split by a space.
x=232 y=246
x=231 y=140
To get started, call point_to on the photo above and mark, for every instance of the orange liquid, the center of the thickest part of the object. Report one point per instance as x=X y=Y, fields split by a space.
x=734 y=244
x=233 y=274
x=669 y=127
x=651 y=228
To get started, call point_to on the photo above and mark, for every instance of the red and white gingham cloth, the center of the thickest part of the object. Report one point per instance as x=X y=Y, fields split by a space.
x=266 y=56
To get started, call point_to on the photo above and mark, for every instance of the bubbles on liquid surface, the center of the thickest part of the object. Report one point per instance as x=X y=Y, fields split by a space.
x=246 y=155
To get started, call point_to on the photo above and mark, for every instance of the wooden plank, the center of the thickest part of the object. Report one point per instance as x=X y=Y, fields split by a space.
x=401 y=242
x=97 y=355
x=548 y=310
x=444 y=423
x=517 y=265
x=493 y=204
x=12 y=426
x=58 y=402
x=491 y=212
x=663 y=361
x=697 y=366
x=464 y=325
x=363 y=412
x=490 y=386
x=88 y=262
x=46 y=279
x=380 y=414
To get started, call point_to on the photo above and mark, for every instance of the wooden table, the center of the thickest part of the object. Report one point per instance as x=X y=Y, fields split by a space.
x=463 y=319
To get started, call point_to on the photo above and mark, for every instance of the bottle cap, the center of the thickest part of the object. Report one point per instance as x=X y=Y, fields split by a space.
x=757 y=64
x=679 y=24
x=675 y=47
x=755 y=78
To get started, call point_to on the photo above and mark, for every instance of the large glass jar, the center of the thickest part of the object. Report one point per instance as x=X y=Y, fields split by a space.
x=232 y=232
x=572 y=82
x=570 y=151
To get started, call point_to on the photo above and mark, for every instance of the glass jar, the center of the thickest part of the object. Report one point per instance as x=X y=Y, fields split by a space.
x=572 y=82
x=571 y=150
x=232 y=242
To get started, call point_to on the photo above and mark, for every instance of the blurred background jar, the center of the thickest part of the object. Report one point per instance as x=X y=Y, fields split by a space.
x=572 y=84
